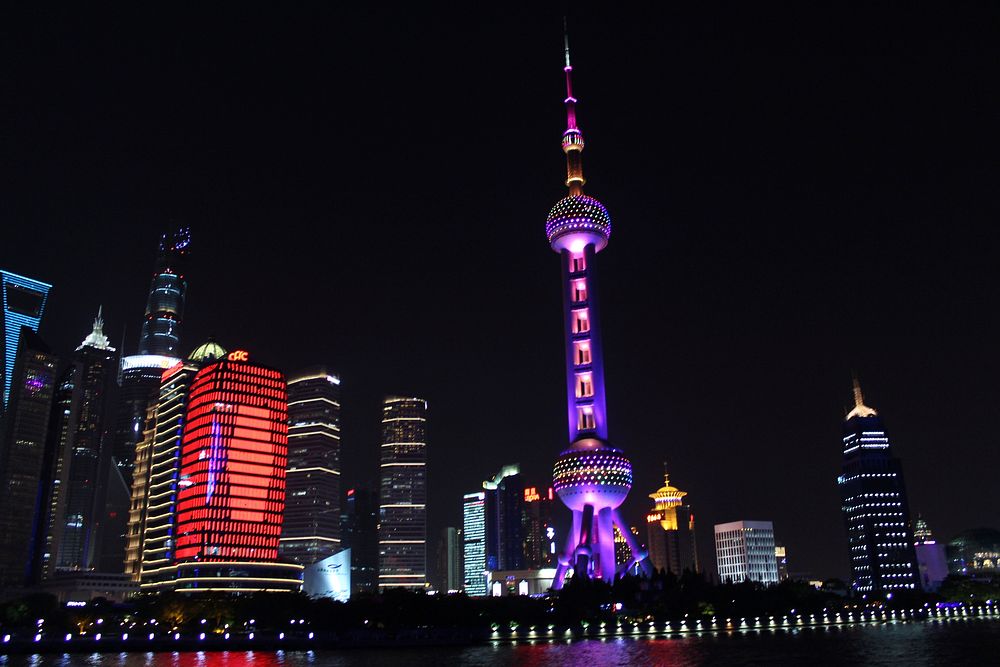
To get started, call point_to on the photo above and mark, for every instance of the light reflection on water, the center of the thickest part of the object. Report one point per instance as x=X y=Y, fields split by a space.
x=910 y=644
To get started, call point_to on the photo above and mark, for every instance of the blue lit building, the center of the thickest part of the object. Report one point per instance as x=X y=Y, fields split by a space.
x=505 y=520
x=474 y=542
x=875 y=507
x=23 y=305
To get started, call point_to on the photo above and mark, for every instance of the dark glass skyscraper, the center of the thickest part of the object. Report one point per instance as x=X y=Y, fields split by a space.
x=402 y=537
x=86 y=461
x=875 y=507
x=161 y=331
x=505 y=520
x=23 y=443
x=23 y=305
x=360 y=535
x=311 y=524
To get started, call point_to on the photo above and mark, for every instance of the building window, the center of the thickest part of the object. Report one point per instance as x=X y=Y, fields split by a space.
x=577 y=263
x=586 y=421
x=581 y=322
x=581 y=353
x=584 y=386
x=579 y=291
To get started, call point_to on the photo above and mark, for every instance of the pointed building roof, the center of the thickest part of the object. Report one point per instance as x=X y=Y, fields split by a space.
x=97 y=339
x=667 y=495
x=860 y=409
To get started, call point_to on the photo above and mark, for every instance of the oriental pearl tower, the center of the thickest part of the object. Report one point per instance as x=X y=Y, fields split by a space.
x=592 y=477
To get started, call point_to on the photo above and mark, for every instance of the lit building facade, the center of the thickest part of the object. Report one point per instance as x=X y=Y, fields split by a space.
x=975 y=553
x=474 y=543
x=23 y=304
x=670 y=530
x=234 y=452
x=744 y=551
x=874 y=505
x=86 y=458
x=139 y=505
x=52 y=496
x=539 y=528
x=449 y=566
x=932 y=559
x=311 y=526
x=402 y=534
x=591 y=477
x=505 y=520
x=159 y=520
x=24 y=442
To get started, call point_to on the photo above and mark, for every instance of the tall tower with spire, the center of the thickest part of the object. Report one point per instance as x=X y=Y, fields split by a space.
x=670 y=527
x=591 y=477
x=874 y=504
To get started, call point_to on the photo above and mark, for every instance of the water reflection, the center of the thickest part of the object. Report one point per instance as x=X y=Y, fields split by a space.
x=910 y=644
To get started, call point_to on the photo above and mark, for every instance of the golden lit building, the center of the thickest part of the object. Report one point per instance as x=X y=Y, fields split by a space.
x=140 y=497
x=671 y=530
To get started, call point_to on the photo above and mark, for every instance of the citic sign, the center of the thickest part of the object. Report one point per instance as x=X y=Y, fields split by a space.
x=239 y=355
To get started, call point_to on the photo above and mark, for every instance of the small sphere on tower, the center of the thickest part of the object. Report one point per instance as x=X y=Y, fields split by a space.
x=576 y=221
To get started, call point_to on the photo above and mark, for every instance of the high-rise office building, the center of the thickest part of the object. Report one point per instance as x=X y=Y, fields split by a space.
x=159 y=528
x=234 y=453
x=876 y=512
x=744 y=551
x=932 y=559
x=24 y=439
x=591 y=477
x=781 y=558
x=23 y=304
x=539 y=528
x=311 y=527
x=360 y=534
x=53 y=498
x=402 y=533
x=81 y=492
x=449 y=573
x=474 y=543
x=670 y=530
x=505 y=520
x=139 y=505
x=159 y=347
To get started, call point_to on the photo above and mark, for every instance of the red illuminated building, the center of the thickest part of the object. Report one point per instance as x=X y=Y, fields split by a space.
x=234 y=452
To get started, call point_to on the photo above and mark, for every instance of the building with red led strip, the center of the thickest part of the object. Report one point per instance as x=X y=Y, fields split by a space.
x=234 y=453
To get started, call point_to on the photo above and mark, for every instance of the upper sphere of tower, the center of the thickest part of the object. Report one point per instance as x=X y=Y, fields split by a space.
x=576 y=221
x=591 y=472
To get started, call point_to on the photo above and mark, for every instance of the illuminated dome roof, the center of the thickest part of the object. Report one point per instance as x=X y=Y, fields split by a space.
x=591 y=472
x=576 y=221
x=207 y=351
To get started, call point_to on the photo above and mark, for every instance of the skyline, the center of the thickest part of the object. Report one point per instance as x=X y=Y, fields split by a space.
x=761 y=317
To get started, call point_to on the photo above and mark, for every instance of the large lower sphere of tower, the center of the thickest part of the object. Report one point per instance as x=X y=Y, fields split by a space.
x=592 y=473
x=576 y=221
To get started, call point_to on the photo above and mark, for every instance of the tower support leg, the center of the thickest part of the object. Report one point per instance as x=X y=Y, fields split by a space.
x=638 y=555
x=567 y=555
x=606 y=544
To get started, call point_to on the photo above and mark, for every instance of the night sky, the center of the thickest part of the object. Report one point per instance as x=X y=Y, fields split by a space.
x=794 y=196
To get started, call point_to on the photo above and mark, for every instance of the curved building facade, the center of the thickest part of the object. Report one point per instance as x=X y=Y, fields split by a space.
x=234 y=452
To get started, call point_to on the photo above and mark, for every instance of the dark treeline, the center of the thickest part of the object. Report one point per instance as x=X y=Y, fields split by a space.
x=663 y=597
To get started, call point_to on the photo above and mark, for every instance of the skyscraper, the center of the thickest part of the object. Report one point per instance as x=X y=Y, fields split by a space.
x=932 y=559
x=874 y=505
x=539 y=528
x=24 y=439
x=449 y=560
x=670 y=528
x=159 y=529
x=744 y=550
x=53 y=499
x=311 y=526
x=402 y=535
x=591 y=477
x=159 y=347
x=234 y=452
x=23 y=305
x=86 y=459
x=474 y=543
x=139 y=505
x=360 y=535
x=505 y=519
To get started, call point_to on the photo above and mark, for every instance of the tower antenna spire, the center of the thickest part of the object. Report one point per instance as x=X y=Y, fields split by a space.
x=859 y=399
x=572 y=141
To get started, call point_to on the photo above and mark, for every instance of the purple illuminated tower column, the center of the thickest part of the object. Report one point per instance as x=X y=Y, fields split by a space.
x=591 y=477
